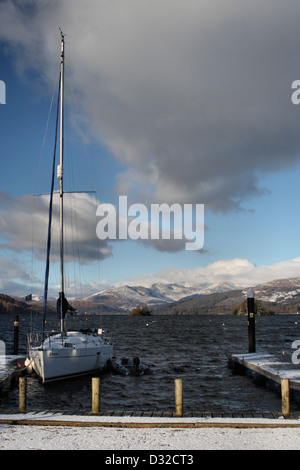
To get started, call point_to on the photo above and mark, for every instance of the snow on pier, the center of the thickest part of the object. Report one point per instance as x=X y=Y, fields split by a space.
x=272 y=368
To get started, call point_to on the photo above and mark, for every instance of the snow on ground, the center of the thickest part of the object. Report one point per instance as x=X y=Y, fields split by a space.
x=59 y=437
x=85 y=438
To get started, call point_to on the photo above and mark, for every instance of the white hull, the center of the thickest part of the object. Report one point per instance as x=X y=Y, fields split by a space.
x=60 y=357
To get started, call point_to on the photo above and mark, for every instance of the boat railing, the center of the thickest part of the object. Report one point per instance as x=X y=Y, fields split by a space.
x=35 y=339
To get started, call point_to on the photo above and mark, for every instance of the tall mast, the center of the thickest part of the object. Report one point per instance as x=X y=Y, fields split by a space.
x=60 y=173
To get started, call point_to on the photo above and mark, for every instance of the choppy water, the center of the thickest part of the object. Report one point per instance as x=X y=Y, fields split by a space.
x=193 y=348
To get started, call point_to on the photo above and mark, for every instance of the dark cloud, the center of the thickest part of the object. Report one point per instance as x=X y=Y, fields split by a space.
x=24 y=225
x=193 y=97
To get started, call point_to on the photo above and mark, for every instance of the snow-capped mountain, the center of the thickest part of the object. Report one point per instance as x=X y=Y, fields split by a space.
x=280 y=290
x=127 y=297
x=124 y=298
x=283 y=294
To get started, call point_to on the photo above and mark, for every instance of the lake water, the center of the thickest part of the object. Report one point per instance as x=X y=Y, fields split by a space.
x=193 y=348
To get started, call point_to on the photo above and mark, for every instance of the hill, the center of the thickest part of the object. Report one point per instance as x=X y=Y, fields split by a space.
x=15 y=306
x=279 y=296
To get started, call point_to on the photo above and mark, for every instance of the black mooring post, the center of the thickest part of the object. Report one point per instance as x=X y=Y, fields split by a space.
x=251 y=321
x=16 y=335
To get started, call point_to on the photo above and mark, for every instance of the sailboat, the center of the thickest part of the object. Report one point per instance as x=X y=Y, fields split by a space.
x=67 y=353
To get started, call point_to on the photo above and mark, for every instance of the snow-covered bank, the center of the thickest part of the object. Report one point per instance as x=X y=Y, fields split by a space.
x=90 y=438
x=216 y=434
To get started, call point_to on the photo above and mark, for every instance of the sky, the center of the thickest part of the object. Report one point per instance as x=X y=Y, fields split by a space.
x=167 y=101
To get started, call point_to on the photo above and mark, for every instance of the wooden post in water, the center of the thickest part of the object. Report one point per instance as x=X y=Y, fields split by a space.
x=95 y=395
x=22 y=394
x=285 y=397
x=16 y=335
x=178 y=397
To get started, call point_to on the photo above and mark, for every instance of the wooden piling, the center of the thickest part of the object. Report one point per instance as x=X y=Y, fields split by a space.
x=251 y=320
x=22 y=394
x=285 y=397
x=16 y=335
x=95 y=395
x=178 y=397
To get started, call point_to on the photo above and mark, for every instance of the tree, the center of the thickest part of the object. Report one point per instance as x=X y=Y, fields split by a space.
x=140 y=311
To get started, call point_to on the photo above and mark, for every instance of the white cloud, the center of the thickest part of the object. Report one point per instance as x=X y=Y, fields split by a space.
x=240 y=272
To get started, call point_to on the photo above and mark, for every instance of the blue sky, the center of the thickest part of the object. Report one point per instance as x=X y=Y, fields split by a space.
x=203 y=118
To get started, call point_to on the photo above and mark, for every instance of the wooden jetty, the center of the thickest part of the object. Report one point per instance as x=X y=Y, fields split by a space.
x=270 y=369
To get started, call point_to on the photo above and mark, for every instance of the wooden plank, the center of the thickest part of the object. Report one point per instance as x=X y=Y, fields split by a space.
x=285 y=397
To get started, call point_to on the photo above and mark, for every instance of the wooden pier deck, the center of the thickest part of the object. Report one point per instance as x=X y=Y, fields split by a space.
x=270 y=369
x=13 y=416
